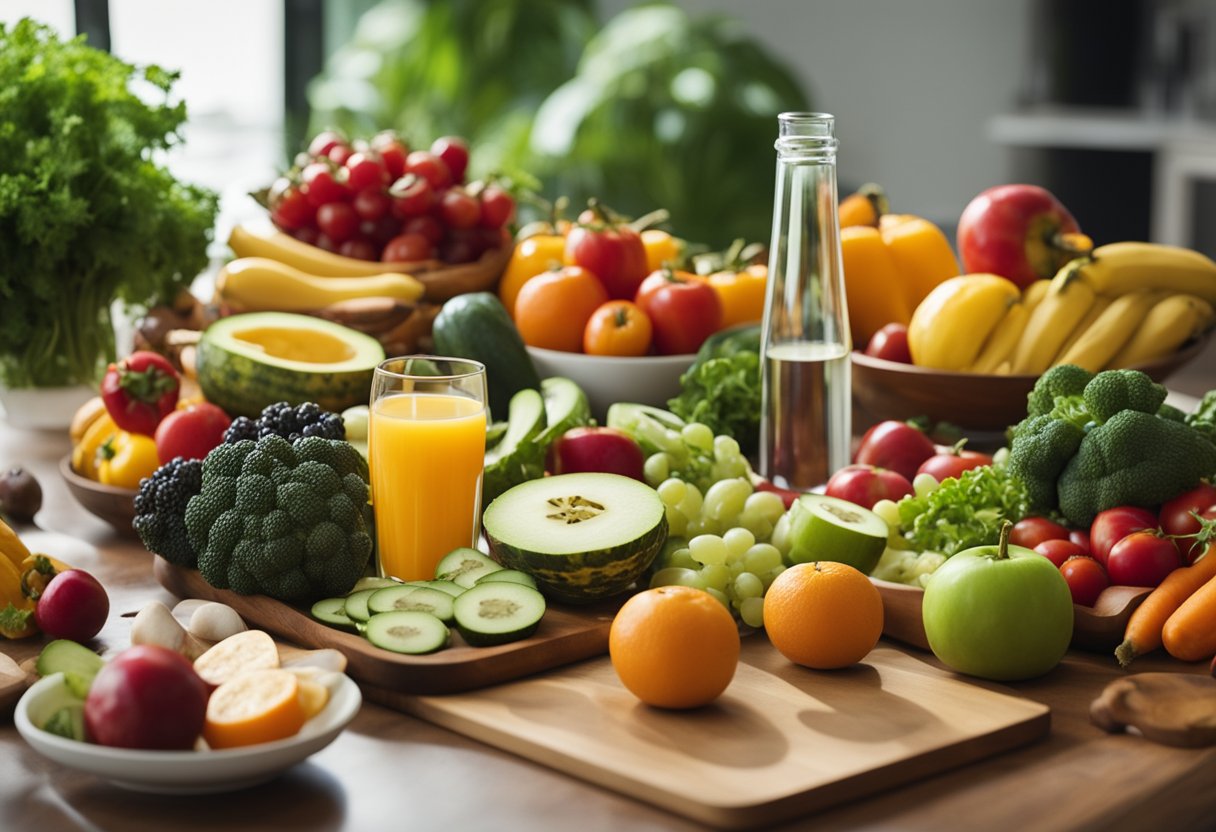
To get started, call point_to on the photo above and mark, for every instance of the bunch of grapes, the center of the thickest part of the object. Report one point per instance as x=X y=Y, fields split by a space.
x=380 y=200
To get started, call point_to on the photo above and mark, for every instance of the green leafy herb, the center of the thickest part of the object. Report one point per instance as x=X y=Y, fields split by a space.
x=87 y=216
x=963 y=512
x=724 y=393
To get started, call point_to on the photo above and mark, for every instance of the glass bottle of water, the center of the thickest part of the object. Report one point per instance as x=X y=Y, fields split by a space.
x=805 y=428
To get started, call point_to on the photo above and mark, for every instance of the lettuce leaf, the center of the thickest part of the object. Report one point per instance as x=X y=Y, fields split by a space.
x=724 y=393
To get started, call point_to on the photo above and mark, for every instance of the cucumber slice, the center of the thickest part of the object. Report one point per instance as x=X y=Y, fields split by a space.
x=373 y=583
x=828 y=528
x=450 y=587
x=67 y=722
x=508 y=576
x=496 y=613
x=464 y=566
x=355 y=606
x=332 y=611
x=77 y=663
x=407 y=631
x=419 y=599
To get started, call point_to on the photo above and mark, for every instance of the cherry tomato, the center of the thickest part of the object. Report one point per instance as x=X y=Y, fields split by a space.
x=683 y=313
x=462 y=245
x=307 y=234
x=339 y=153
x=366 y=170
x=371 y=204
x=427 y=226
x=407 y=248
x=289 y=207
x=191 y=432
x=895 y=445
x=380 y=231
x=1081 y=539
x=497 y=207
x=359 y=248
x=953 y=463
x=619 y=327
x=1086 y=579
x=1031 y=531
x=455 y=155
x=1175 y=516
x=890 y=344
x=1142 y=558
x=337 y=221
x=1114 y=524
x=430 y=167
x=324 y=243
x=1057 y=551
x=322 y=186
x=412 y=196
x=457 y=209
x=324 y=142
x=614 y=254
x=552 y=309
x=392 y=152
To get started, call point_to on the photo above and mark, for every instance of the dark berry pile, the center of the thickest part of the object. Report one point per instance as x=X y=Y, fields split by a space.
x=291 y=423
x=160 y=509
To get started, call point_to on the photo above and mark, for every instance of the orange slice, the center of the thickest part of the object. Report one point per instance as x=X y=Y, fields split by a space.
x=237 y=654
x=254 y=707
x=314 y=696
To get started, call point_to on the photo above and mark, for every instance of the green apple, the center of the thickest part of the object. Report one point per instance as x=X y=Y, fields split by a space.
x=829 y=528
x=998 y=612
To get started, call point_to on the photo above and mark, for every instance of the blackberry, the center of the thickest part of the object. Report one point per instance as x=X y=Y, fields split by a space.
x=291 y=423
x=160 y=509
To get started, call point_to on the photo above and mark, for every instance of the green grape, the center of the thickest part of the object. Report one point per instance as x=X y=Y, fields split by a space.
x=708 y=549
x=752 y=612
x=724 y=500
x=781 y=534
x=764 y=505
x=721 y=596
x=924 y=484
x=748 y=585
x=676 y=576
x=656 y=468
x=672 y=491
x=726 y=449
x=736 y=567
x=761 y=558
x=683 y=558
x=672 y=545
x=889 y=512
x=698 y=526
x=677 y=523
x=716 y=576
x=690 y=506
x=738 y=540
x=771 y=575
x=698 y=436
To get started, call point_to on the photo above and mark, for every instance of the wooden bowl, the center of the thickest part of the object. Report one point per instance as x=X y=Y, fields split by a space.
x=1098 y=628
x=892 y=390
x=114 y=505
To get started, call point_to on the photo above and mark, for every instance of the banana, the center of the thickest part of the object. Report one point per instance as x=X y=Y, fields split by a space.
x=254 y=284
x=1053 y=319
x=11 y=547
x=1119 y=268
x=1101 y=303
x=1112 y=329
x=1033 y=294
x=1166 y=327
x=1001 y=342
x=275 y=245
x=951 y=324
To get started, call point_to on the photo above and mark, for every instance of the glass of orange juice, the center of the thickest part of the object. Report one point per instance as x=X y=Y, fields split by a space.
x=426 y=449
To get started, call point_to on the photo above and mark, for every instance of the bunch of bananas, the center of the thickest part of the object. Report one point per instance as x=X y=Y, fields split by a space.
x=1124 y=305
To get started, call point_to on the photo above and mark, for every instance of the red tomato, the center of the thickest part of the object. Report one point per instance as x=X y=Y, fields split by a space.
x=371 y=204
x=359 y=248
x=895 y=445
x=407 y=248
x=454 y=152
x=1142 y=558
x=1114 y=524
x=458 y=209
x=890 y=344
x=427 y=226
x=1086 y=579
x=412 y=196
x=1031 y=531
x=952 y=464
x=613 y=253
x=366 y=170
x=337 y=221
x=1176 y=516
x=430 y=167
x=191 y=432
x=324 y=142
x=865 y=485
x=1057 y=551
x=289 y=208
x=1082 y=540
x=497 y=206
x=140 y=390
x=683 y=313
x=322 y=186
x=392 y=152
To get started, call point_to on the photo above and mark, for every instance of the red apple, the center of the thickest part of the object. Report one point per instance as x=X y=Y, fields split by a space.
x=895 y=445
x=146 y=697
x=597 y=449
x=865 y=485
x=74 y=606
x=890 y=344
x=953 y=462
x=1020 y=232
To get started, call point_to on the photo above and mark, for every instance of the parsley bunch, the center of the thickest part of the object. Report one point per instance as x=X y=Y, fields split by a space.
x=87 y=215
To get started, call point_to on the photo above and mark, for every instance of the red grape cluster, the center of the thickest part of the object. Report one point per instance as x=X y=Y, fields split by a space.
x=379 y=200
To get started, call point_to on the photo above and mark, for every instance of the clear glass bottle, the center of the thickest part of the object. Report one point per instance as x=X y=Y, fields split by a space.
x=805 y=428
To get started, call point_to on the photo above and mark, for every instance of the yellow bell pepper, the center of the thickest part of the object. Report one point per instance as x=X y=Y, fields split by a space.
x=37 y=571
x=741 y=293
x=16 y=610
x=863 y=207
x=890 y=269
x=84 y=454
x=126 y=458
x=534 y=255
x=662 y=249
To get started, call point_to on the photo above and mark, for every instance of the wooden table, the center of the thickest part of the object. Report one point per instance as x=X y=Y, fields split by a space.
x=393 y=771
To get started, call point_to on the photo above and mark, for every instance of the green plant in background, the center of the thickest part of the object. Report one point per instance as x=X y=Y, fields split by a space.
x=655 y=110
x=87 y=217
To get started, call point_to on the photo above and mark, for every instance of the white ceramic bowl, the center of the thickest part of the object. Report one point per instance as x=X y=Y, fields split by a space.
x=183 y=772
x=649 y=379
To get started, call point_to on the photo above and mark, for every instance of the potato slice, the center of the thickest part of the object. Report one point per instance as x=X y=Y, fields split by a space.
x=255 y=707
x=238 y=654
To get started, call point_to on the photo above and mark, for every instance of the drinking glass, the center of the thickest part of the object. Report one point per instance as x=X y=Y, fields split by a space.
x=426 y=450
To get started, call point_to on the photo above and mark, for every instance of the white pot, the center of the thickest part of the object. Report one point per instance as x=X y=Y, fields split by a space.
x=43 y=408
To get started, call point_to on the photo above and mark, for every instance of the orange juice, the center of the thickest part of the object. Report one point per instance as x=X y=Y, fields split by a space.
x=426 y=453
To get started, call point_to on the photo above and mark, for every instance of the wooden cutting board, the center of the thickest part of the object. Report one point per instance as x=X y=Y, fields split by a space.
x=782 y=742
x=565 y=635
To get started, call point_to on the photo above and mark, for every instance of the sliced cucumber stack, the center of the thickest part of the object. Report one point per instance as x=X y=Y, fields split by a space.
x=498 y=612
x=464 y=566
x=407 y=631
x=413 y=599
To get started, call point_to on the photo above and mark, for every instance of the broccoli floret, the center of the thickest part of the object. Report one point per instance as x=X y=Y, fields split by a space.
x=1112 y=391
x=286 y=520
x=1135 y=458
x=1041 y=449
x=1060 y=381
x=160 y=510
x=1168 y=411
x=291 y=423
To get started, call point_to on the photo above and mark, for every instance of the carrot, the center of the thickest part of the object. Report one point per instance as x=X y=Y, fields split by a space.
x=1190 y=633
x=1145 y=627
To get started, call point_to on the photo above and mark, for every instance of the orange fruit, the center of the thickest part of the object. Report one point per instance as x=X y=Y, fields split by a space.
x=552 y=309
x=619 y=327
x=533 y=256
x=255 y=707
x=823 y=615
x=674 y=646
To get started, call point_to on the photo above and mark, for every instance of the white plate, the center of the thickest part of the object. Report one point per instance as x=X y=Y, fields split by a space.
x=184 y=772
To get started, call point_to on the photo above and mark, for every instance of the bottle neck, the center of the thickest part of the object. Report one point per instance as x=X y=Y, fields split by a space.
x=806 y=138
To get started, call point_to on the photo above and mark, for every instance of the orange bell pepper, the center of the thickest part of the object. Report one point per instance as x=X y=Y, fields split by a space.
x=662 y=249
x=534 y=255
x=741 y=293
x=888 y=270
x=863 y=207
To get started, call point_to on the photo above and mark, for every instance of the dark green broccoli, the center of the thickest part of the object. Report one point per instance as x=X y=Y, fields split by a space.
x=1168 y=411
x=1112 y=391
x=288 y=520
x=160 y=510
x=1203 y=419
x=1135 y=458
x=1061 y=381
x=1041 y=449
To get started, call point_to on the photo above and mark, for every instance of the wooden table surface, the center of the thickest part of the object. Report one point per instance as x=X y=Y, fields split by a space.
x=388 y=770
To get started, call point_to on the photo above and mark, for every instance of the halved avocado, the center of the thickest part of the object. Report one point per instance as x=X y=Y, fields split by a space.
x=246 y=362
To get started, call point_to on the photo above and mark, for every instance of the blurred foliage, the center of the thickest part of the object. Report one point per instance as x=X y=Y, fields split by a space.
x=656 y=109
